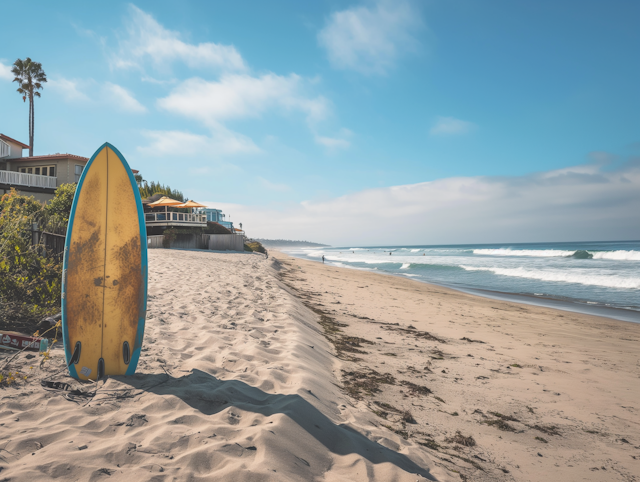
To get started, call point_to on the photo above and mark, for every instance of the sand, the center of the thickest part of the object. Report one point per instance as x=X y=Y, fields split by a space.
x=270 y=370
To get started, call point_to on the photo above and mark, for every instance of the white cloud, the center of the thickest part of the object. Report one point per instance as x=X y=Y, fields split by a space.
x=151 y=80
x=177 y=143
x=580 y=203
x=146 y=39
x=446 y=126
x=5 y=72
x=122 y=99
x=332 y=142
x=68 y=88
x=369 y=40
x=273 y=186
x=238 y=96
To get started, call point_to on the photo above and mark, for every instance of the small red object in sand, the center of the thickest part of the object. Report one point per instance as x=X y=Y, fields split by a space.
x=20 y=341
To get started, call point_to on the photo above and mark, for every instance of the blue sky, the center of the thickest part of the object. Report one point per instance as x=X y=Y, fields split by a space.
x=290 y=114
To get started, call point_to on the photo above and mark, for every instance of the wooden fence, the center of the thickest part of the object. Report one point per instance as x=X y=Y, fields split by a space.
x=51 y=244
x=225 y=242
x=54 y=243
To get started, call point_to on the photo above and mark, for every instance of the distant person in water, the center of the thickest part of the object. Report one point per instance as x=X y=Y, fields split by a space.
x=389 y=253
x=323 y=259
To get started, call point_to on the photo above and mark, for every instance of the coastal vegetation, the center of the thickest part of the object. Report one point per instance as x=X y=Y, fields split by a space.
x=254 y=246
x=148 y=189
x=30 y=276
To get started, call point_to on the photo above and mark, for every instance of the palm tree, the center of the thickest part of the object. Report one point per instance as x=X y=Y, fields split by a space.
x=30 y=77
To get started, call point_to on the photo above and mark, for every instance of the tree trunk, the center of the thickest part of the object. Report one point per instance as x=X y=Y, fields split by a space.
x=31 y=122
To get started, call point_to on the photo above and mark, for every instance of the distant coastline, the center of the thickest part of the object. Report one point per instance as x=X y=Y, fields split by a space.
x=288 y=243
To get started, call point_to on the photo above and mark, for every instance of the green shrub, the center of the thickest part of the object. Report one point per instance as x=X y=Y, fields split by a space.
x=30 y=280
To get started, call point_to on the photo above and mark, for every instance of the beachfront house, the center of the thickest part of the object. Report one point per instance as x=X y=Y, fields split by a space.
x=168 y=214
x=39 y=176
x=36 y=176
x=217 y=216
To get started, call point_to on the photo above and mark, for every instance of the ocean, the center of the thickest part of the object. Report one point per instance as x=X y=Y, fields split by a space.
x=600 y=278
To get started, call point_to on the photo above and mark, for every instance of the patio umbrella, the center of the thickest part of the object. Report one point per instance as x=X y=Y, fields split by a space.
x=190 y=204
x=166 y=202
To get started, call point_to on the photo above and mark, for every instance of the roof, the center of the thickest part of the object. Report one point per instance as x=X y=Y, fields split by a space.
x=7 y=138
x=50 y=157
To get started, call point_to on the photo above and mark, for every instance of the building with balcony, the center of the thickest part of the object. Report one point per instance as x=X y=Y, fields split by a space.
x=36 y=176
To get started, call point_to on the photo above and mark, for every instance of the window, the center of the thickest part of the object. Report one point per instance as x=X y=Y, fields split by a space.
x=40 y=170
x=78 y=172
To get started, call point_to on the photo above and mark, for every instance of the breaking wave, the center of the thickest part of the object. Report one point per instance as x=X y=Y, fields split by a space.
x=557 y=253
x=542 y=253
x=609 y=281
x=617 y=255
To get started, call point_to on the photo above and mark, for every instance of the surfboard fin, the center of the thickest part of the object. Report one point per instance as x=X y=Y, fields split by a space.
x=75 y=358
x=126 y=353
x=100 y=369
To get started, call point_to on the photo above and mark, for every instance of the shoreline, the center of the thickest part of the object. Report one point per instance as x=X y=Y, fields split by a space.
x=572 y=306
x=542 y=393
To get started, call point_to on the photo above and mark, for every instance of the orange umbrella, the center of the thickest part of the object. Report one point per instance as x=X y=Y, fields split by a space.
x=190 y=204
x=165 y=201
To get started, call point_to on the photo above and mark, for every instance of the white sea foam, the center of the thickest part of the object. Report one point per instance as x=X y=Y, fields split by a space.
x=405 y=266
x=415 y=250
x=617 y=255
x=542 y=253
x=609 y=281
x=620 y=255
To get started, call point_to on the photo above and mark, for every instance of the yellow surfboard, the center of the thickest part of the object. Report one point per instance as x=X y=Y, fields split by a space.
x=104 y=293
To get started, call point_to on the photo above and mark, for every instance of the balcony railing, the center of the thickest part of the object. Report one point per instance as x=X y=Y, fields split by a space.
x=175 y=218
x=24 y=179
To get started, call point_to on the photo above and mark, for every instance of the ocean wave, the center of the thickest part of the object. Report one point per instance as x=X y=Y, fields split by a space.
x=542 y=253
x=620 y=255
x=608 y=281
x=405 y=266
x=617 y=255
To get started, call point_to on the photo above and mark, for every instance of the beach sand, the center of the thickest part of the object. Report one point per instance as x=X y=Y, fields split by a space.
x=286 y=369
